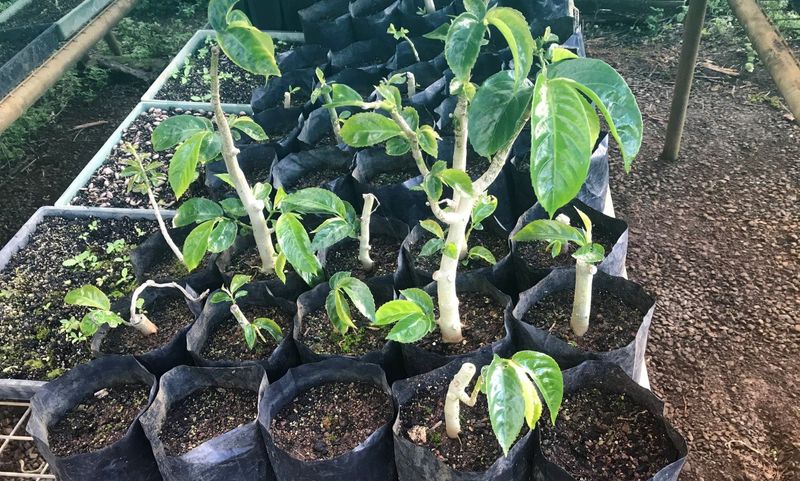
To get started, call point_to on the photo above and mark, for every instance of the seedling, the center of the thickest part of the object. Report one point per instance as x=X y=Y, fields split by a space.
x=559 y=233
x=402 y=34
x=143 y=175
x=324 y=91
x=564 y=127
x=343 y=287
x=287 y=96
x=412 y=317
x=250 y=330
x=510 y=386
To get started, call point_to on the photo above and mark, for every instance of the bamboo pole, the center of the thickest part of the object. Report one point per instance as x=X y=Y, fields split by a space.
x=773 y=51
x=40 y=80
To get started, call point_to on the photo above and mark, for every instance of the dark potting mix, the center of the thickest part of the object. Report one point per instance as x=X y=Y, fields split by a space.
x=497 y=245
x=483 y=322
x=332 y=419
x=169 y=313
x=320 y=336
x=343 y=257
x=226 y=341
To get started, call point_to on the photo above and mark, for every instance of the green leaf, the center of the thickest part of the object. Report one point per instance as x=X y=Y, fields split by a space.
x=175 y=130
x=432 y=186
x=517 y=32
x=483 y=208
x=533 y=404
x=433 y=227
x=560 y=143
x=88 y=296
x=280 y=267
x=295 y=244
x=183 y=166
x=272 y=328
x=314 y=200
x=458 y=180
x=594 y=121
x=420 y=298
x=233 y=207
x=497 y=112
x=558 y=54
x=587 y=223
x=463 y=44
x=210 y=148
x=330 y=232
x=360 y=296
x=396 y=310
x=238 y=281
x=440 y=33
x=196 y=210
x=590 y=253
x=476 y=7
x=549 y=230
x=410 y=329
x=92 y=321
x=611 y=94
x=411 y=116
x=506 y=402
x=226 y=178
x=218 y=13
x=261 y=191
x=344 y=96
x=367 y=129
x=248 y=126
x=219 y=296
x=397 y=146
x=250 y=49
x=196 y=244
x=222 y=236
x=249 y=335
x=450 y=250
x=546 y=375
x=238 y=17
x=339 y=312
x=480 y=252
x=431 y=247
x=428 y=140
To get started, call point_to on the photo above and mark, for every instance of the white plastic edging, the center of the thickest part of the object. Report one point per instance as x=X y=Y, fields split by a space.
x=191 y=46
x=100 y=157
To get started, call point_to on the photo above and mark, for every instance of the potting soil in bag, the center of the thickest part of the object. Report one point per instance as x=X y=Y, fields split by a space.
x=419 y=462
x=645 y=419
x=127 y=459
x=237 y=454
x=371 y=460
x=272 y=94
x=328 y=23
x=255 y=160
x=620 y=297
x=325 y=167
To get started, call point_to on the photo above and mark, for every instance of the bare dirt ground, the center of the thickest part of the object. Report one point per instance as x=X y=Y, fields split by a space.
x=716 y=236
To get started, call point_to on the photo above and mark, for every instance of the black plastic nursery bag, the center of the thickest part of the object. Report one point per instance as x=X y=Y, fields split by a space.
x=291 y=170
x=328 y=23
x=371 y=18
x=255 y=160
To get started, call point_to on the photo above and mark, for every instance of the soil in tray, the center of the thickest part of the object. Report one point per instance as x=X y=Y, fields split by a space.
x=602 y=436
x=344 y=258
x=191 y=81
x=317 y=178
x=40 y=12
x=330 y=420
x=226 y=341
x=10 y=47
x=482 y=324
x=33 y=285
x=422 y=420
x=100 y=420
x=535 y=255
x=320 y=336
x=394 y=177
x=107 y=187
x=206 y=414
x=612 y=323
x=170 y=314
x=497 y=245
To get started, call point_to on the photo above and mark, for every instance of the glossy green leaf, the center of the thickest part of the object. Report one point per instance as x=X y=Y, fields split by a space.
x=515 y=29
x=175 y=130
x=506 y=402
x=420 y=298
x=250 y=49
x=483 y=208
x=397 y=146
x=339 y=312
x=238 y=281
x=480 y=252
x=219 y=296
x=440 y=33
x=433 y=227
x=261 y=191
x=196 y=244
x=560 y=143
x=431 y=247
x=432 y=186
x=280 y=267
x=360 y=296
x=410 y=329
x=476 y=7
x=344 y=96
x=250 y=128
x=88 y=296
x=590 y=253
x=587 y=223
x=226 y=178
x=396 y=310
x=314 y=200
x=428 y=140
x=594 y=121
x=218 y=13
x=450 y=250
x=196 y=210
x=330 y=232
x=533 y=404
x=296 y=246
x=249 y=335
x=238 y=17
x=271 y=327
x=497 y=112
x=458 y=180
x=463 y=44
x=233 y=207
x=92 y=321
x=183 y=166
x=611 y=94
x=367 y=129
x=558 y=54
x=549 y=230
x=546 y=375
x=411 y=116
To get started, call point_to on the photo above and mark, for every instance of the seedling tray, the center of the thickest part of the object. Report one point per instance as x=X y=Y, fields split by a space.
x=191 y=46
x=100 y=157
x=24 y=389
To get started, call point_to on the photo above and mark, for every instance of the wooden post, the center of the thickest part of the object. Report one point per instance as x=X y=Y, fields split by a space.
x=692 y=30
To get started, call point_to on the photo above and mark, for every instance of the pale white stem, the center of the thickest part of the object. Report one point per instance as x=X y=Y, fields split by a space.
x=287 y=100
x=460 y=131
x=254 y=207
x=430 y=7
x=457 y=394
x=411 y=84
x=566 y=221
x=334 y=119
x=363 y=237
x=416 y=152
x=445 y=277
x=139 y=320
x=239 y=316
x=163 y=226
x=582 y=304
